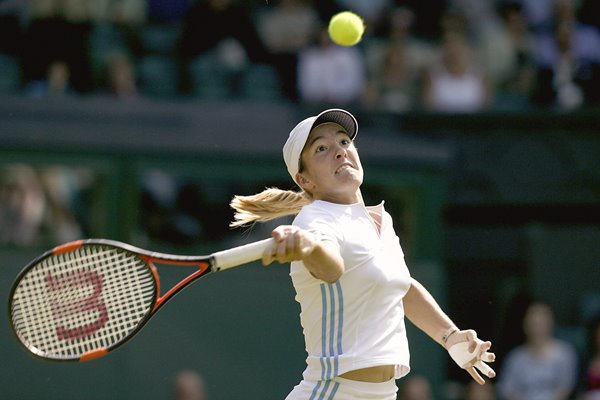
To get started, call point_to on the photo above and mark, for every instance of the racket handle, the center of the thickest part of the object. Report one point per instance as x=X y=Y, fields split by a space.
x=240 y=255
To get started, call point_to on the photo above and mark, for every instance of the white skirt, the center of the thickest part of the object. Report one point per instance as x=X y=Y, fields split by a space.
x=343 y=389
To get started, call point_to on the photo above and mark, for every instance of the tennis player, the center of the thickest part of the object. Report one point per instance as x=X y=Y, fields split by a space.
x=348 y=271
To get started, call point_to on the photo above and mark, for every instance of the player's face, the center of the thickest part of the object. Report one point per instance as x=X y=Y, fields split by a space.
x=331 y=168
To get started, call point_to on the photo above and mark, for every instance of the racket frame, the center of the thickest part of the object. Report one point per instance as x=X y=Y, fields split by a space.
x=206 y=264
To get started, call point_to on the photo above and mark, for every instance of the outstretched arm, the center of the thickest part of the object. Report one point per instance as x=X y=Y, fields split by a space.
x=425 y=313
x=422 y=310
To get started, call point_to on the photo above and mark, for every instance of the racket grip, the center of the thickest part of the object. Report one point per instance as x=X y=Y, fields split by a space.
x=240 y=255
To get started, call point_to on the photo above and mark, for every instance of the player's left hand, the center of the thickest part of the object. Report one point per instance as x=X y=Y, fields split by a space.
x=471 y=354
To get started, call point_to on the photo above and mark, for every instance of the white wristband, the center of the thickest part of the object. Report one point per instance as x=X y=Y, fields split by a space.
x=449 y=333
x=461 y=355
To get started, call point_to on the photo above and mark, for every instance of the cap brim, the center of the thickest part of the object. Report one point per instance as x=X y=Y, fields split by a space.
x=340 y=117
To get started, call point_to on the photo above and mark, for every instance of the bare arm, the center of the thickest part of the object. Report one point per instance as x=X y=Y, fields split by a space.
x=422 y=310
x=320 y=257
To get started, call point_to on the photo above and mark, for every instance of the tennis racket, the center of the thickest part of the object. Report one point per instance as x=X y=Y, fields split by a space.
x=83 y=299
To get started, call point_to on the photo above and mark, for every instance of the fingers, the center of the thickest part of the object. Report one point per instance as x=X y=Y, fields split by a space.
x=485 y=346
x=485 y=369
x=476 y=344
x=291 y=244
x=473 y=341
x=475 y=375
x=267 y=257
x=487 y=357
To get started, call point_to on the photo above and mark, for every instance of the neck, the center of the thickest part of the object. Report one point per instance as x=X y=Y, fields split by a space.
x=342 y=198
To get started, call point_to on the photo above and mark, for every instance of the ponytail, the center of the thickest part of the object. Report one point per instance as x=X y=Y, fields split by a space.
x=269 y=204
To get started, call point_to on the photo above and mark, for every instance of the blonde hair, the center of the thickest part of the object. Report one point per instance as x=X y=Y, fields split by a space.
x=269 y=204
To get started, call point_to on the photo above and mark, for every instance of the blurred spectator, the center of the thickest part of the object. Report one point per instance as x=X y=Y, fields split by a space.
x=454 y=21
x=544 y=367
x=568 y=61
x=590 y=373
x=479 y=15
x=506 y=50
x=286 y=28
x=116 y=44
x=56 y=57
x=331 y=74
x=455 y=83
x=208 y=30
x=189 y=385
x=121 y=76
x=22 y=205
x=414 y=387
x=395 y=63
x=60 y=188
x=475 y=391
x=37 y=205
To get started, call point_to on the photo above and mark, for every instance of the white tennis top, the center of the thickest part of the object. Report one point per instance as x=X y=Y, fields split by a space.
x=358 y=321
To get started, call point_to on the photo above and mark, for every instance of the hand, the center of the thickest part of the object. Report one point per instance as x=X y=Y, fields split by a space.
x=291 y=244
x=470 y=352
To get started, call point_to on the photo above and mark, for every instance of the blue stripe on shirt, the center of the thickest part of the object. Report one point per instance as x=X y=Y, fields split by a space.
x=323 y=330
x=315 y=391
x=332 y=331
x=331 y=342
x=341 y=317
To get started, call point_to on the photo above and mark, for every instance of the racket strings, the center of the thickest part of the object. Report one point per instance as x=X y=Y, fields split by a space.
x=81 y=301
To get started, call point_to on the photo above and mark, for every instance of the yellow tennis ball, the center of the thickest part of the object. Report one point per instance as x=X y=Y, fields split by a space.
x=346 y=28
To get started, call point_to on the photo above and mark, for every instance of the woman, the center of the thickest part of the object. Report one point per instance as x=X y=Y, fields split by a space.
x=544 y=367
x=348 y=270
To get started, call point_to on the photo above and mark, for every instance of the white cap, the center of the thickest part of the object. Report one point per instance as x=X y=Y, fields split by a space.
x=298 y=136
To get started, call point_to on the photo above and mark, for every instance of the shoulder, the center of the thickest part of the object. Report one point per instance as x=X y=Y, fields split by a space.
x=315 y=210
x=320 y=218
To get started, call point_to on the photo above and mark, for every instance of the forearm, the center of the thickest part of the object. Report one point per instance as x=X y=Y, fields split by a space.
x=425 y=313
x=422 y=310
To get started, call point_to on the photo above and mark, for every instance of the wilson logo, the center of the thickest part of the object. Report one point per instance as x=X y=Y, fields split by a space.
x=77 y=295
